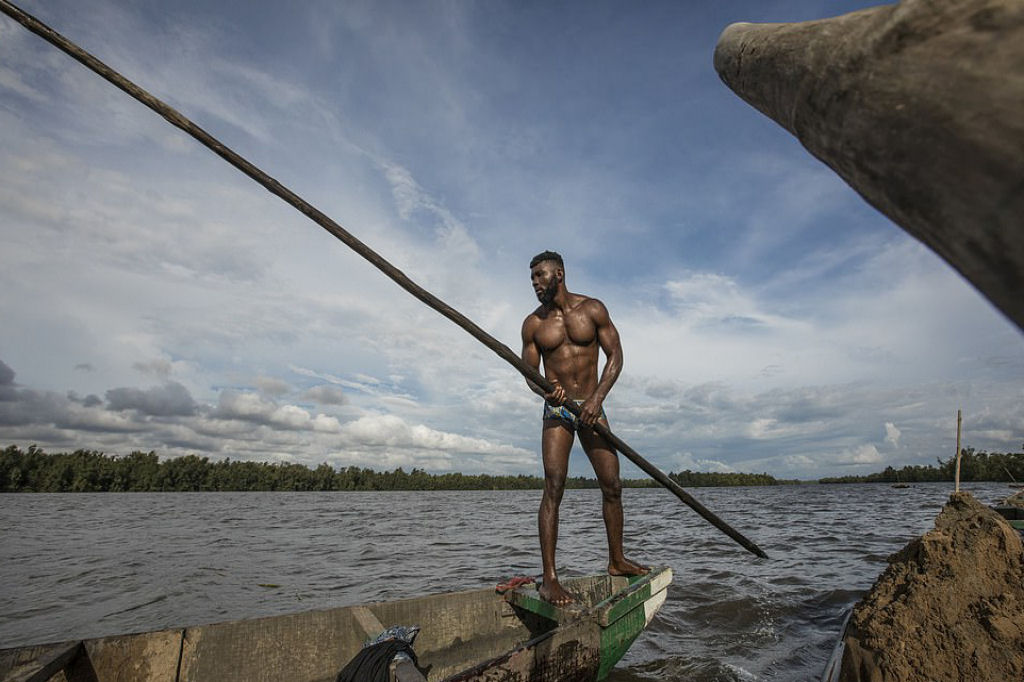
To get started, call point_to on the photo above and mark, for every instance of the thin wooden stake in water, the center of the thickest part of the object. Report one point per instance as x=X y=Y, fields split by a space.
x=958 y=420
x=178 y=120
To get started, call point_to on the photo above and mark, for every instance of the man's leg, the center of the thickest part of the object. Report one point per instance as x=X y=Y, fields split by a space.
x=606 y=466
x=556 y=442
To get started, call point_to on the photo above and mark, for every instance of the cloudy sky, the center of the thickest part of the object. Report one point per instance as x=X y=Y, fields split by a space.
x=153 y=298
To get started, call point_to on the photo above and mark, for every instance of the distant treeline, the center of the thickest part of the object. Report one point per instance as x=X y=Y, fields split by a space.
x=33 y=470
x=974 y=466
x=699 y=479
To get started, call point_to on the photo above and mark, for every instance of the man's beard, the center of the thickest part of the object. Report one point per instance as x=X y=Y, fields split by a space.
x=548 y=295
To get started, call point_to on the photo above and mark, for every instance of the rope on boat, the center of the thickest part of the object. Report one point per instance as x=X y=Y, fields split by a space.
x=178 y=120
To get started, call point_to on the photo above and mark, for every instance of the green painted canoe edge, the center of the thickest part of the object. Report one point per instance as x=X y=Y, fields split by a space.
x=625 y=615
x=617 y=638
x=641 y=588
x=621 y=617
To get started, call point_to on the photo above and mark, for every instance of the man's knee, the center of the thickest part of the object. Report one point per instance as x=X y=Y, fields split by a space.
x=554 y=487
x=611 y=490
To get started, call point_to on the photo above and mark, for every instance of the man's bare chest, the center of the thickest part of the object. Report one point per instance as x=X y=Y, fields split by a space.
x=572 y=330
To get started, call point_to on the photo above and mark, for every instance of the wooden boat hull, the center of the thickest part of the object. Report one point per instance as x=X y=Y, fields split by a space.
x=834 y=667
x=1013 y=515
x=473 y=636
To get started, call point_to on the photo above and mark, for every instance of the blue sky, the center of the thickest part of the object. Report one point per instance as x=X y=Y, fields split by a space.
x=154 y=298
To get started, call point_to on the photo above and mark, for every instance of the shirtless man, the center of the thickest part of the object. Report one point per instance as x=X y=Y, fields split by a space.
x=566 y=330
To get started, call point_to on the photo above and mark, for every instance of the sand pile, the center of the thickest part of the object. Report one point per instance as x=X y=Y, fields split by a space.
x=950 y=606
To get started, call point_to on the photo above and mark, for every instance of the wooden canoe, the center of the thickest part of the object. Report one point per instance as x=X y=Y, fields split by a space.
x=466 y=636
x=1013 y=514
x=834 y=667
x=1012 y=509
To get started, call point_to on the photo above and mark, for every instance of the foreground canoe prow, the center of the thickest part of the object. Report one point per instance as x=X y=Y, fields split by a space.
x=474 y=635
x=918 y=107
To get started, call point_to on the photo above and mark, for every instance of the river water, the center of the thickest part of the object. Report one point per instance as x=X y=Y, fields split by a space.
x=87 y=565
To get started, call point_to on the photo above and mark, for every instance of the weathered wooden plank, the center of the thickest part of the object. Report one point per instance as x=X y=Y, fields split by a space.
x=40 y=663
x=570 y=653
x=367 y=621
x=148 y=657
x=304 y=646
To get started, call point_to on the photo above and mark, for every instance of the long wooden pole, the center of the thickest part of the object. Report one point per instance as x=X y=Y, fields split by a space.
x=180 y=121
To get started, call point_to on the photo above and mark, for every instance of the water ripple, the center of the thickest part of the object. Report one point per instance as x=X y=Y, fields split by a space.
x=76 y=566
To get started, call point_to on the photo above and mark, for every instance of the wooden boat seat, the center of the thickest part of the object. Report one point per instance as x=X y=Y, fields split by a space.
x=367 y=621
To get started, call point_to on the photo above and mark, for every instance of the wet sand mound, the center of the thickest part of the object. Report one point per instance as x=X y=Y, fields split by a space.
x=950 y=606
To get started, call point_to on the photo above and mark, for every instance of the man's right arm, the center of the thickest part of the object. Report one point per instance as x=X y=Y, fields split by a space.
x=531 y=356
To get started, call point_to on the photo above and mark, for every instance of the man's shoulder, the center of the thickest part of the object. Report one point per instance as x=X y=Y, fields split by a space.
x=590 y=305
x=537 y=312
x=535 y=317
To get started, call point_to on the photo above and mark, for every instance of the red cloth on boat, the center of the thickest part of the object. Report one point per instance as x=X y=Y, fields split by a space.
x=513 y=583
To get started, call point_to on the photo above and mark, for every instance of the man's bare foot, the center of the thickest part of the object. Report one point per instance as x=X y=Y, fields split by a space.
x=552 y=592
x=627 y=568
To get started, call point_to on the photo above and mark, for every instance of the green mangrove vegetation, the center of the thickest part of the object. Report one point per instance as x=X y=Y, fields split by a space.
x=974 y=466
x=33 y=470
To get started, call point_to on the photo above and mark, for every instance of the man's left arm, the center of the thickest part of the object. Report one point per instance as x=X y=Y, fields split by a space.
x=608 y=338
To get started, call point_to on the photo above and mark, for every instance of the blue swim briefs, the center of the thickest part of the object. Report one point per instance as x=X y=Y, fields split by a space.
x=561 y=414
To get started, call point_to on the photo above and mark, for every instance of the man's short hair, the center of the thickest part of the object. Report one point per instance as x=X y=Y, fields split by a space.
x=547 y=255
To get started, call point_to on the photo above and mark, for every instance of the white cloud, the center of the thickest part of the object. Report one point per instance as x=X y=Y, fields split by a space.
x=11 y=80
x=862 y=454
x=159 y=367
x=683 y=461
x=799 y=463
x=242 y=425
x=170 y=400
x=703 y=298
x=272 y=387
x=892 y=434
x=261 y=410
x=392 y=431
x=325 y=395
